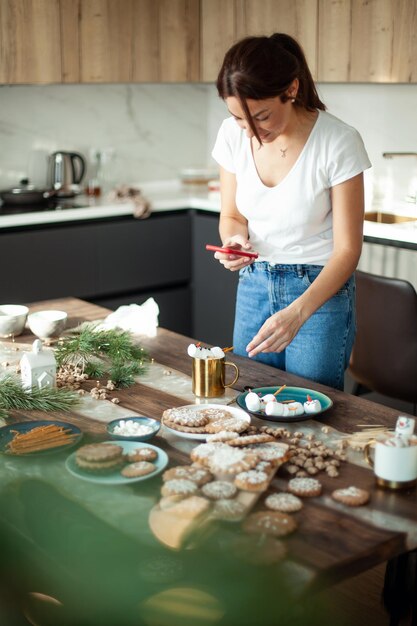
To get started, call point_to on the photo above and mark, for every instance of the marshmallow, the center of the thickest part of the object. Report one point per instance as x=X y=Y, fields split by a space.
x=192 y=349
x=312 y=406
x=268 y=398
x=217 y=352
x=276 y=408
x=404 y=426
x=252 y=401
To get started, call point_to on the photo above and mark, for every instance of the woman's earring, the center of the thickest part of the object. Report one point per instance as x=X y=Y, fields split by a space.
x=293 y=100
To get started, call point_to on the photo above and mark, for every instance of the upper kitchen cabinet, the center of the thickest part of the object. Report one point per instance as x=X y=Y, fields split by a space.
x=367 y=41
x=131 y=40
x=225 y=21
x=30 y=45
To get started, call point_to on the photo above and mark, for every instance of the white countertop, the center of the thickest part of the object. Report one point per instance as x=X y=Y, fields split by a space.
x=171 y=195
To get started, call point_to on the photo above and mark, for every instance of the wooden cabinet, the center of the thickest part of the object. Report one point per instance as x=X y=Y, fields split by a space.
x=30 y=48
x=367 y=41
x=225 y=21
x=109 y=262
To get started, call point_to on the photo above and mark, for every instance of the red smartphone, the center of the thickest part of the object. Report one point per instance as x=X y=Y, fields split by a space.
x=251 y=255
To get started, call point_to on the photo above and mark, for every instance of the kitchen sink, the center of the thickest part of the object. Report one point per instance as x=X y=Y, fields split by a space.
x=388 y=218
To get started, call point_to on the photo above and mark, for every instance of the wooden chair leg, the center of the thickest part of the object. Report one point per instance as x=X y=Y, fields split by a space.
x=399 y=595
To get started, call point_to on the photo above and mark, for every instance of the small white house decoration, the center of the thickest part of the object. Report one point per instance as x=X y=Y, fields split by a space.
x=38 y=367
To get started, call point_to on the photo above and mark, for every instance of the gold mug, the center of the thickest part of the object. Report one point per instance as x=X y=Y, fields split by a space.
x=209 y=377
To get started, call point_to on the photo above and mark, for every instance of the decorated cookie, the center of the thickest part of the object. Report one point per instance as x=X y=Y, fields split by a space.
x=202 y=453
x=304 y=487
x=141 y=468
x=179 y=486
x=230 y=460
x=199 y=475
x=284 y=502
x=352 y=496
x=228 y=510
x=272 y=451
x=222 y=435
x=141 y=454
x=270 y=523
x=252 y=480
x=246 y=440
x=184 y=416
x=219 y=490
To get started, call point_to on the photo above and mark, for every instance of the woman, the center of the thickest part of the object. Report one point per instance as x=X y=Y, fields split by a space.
x=292 y=190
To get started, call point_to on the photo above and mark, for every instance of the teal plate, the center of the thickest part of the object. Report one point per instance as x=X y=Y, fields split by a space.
x=115 y=477
x=7 y=434
x=298 y=394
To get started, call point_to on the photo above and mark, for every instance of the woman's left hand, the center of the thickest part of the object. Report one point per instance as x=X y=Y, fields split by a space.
x=276 y=333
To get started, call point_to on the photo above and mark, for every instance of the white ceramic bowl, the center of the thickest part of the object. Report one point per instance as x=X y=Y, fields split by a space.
x=47 y=324
x=12 y=319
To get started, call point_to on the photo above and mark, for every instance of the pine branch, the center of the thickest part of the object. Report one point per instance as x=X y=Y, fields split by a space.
x=103 y=352
x=14 y=397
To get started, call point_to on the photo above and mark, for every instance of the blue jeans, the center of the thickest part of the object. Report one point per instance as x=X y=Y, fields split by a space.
x=321 y=349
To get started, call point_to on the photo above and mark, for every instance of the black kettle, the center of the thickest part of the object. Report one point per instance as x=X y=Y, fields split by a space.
x=66 y=171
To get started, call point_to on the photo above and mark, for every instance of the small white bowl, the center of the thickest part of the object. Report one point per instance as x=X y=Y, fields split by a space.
x=12 y=319
x=47 y=324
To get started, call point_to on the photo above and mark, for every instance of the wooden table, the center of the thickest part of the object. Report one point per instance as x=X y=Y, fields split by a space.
x=331 y=544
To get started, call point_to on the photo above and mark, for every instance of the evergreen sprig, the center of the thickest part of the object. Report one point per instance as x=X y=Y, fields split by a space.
x=100 y=353
x=14 y=397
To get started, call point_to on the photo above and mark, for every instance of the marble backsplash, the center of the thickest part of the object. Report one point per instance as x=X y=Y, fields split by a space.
x=155 y=130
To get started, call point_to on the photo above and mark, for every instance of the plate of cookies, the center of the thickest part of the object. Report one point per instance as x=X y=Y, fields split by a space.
x=198 y=421
x=117 y=462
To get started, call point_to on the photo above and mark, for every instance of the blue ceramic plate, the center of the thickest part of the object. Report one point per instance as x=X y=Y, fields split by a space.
x=298 y=394
x=144 y=421
x=7 y=434
x=115 y=477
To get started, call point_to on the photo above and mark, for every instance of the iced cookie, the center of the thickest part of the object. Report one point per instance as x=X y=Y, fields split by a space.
x=178 y=487
x=304 y=487
x=270 y=523
x=184 y=416
x=141 y=468
x=141 y=454
x=199 y=475
x=252 y=481
x=284 y=502
x=219 y=490
x=351 y=496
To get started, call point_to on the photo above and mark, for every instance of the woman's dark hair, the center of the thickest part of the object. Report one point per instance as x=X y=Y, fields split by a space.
x=257 y=68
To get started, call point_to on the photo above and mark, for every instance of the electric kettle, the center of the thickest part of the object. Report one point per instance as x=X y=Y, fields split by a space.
x=66 y=171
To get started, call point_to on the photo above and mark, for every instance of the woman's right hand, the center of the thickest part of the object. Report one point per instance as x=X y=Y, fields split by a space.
x=233 y=262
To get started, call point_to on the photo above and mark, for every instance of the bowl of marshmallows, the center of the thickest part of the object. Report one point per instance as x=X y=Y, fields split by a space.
x=135 y=428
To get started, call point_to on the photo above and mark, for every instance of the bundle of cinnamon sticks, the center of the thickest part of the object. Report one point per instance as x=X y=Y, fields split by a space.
x=40 y=438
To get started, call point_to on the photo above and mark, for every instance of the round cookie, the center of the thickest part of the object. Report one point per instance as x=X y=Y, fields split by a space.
x=246 y=440
x=184 y=416
x=252 y=480
x=178 y=487
x=228 y=510
x=141 y=454
x=273 y=452
x=199 y=475
x=270 y=523
x=351 y=496
x=227 y=460
x=99 y=457
x=304 y=487
x=222 y=435
x=219 y=490
x=141 y=468
x=284 y=502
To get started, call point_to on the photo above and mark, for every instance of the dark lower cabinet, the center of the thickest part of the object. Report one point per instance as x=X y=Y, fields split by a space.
x=213 y=287
x=123 y=261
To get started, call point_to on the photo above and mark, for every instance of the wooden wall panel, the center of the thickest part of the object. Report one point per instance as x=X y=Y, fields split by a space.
x=179 y=46
x=146 y=41
x=218 y=31
x=106 y=35
x=294 y=17
x=334 y=43
x=30 y=41
x=70 y=40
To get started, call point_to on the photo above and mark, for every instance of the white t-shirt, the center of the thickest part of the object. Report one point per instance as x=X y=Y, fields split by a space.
x=292 y=222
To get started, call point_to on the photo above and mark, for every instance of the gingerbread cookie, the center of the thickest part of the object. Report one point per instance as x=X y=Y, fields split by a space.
x=227 y=460
x=199 y=475
x=273 y=452
x=219 y=490
x=270 y=523
x=222 y=435
x=202 y=453
x=304 y=487
x=351 y=496
x=284 y=502
x=252 y=480
x=227 y=422
x=141 y=454
x=99 y=457
x=185 y=416
x=246 y=440
x=141 y=468
x=228 y=510
x=178 y=487
x=195 y=430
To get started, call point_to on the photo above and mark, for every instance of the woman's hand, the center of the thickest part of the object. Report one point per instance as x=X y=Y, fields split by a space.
x=233 y=262
x=277 y=332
